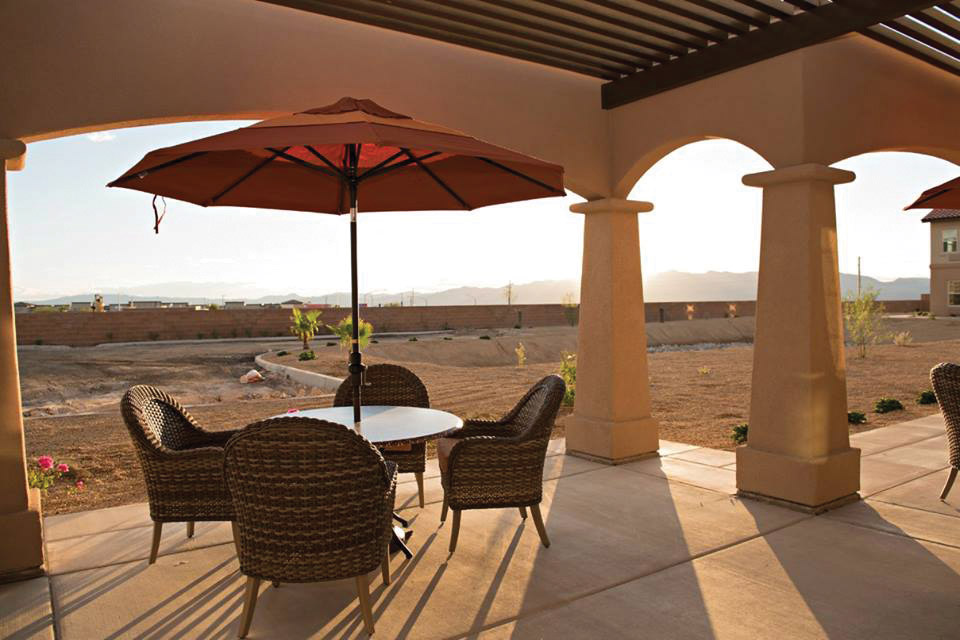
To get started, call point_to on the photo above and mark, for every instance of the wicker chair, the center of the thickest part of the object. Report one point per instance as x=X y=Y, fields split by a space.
x=495 y=464
x=946 y=385
x=394 y=386
x=314 y=502
x=182 y=463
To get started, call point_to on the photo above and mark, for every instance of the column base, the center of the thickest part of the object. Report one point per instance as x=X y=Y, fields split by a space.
x=21 y=554
x=612 y=442
x=810 y=484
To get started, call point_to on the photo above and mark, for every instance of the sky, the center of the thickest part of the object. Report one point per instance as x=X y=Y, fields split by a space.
x=71 y=234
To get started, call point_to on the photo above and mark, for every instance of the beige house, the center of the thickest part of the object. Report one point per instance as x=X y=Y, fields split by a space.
x=944 y=261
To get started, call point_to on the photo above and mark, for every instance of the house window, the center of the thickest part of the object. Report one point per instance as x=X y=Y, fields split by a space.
x=953 y=293
x=949 y=240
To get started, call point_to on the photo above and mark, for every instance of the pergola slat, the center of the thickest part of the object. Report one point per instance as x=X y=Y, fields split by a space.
x=904 y=45
x=802 y=30
x=694 y=16
x=642 y=15
x=928 y=39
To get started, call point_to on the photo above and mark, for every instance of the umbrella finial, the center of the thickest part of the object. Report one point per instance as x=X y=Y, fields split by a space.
x=366 y=105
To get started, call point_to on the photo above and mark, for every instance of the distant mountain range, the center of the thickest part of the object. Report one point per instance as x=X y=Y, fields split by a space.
x=661 y=287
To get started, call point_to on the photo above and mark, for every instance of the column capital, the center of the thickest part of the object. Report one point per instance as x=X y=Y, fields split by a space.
x=12 y=153
x=611 y=205
x=810 y=172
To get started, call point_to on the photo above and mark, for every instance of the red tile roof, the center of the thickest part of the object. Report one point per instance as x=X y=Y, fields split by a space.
x=942 y=214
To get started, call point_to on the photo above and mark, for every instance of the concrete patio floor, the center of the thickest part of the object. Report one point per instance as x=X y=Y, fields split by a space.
x=658 y=548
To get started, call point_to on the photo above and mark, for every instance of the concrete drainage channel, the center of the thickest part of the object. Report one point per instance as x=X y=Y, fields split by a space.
x=308 y=378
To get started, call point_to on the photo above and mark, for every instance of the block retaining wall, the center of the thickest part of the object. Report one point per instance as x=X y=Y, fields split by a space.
x=87 y=328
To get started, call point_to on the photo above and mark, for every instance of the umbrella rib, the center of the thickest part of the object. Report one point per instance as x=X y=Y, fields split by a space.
x=236 y=183
x=164 y=165
x=399 y=165
x=517 y=173
x=303 y=163
x=381 y=165
x=436 y=179
x=325 y=161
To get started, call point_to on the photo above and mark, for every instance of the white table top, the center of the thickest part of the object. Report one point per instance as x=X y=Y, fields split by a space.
x=386 y=425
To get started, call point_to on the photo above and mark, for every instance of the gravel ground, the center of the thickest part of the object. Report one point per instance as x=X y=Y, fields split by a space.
x=698 y=395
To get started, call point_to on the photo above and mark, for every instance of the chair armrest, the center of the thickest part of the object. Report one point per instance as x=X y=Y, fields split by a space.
x=473 y=428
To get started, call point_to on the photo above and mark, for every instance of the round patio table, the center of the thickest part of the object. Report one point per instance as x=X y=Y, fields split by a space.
x=390 y=426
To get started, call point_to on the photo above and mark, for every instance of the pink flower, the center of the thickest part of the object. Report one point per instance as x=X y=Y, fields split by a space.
x=45 y=462
x=293 y=410
x=62 y=468
x=79 y=485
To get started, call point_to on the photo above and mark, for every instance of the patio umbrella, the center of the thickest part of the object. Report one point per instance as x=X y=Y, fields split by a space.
x=324 y=160
x=944 y=196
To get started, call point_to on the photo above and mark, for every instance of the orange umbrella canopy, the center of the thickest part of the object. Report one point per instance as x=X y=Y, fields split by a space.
x=303 y=161
x=944 y=196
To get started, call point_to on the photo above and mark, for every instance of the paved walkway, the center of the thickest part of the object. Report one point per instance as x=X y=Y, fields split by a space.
x=653 y=549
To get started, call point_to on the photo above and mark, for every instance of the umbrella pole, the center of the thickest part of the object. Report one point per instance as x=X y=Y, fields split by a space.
x=356 y=363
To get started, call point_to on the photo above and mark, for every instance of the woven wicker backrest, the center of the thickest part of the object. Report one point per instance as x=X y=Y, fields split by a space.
x=156 y=420
x=534 y=415
x=945 y=378
x=388 y=385
x=308 y=495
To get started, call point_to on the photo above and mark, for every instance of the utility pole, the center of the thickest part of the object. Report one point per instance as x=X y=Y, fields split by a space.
x=858 y=277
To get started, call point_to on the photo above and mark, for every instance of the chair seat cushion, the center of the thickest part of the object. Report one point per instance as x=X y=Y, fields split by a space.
x=444 y=447
x=397 y=447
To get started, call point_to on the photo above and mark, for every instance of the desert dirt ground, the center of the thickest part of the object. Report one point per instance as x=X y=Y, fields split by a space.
x=71 y=396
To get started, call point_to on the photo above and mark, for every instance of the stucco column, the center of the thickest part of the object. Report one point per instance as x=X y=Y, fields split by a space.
x=21 y=535
x=611 y=420
x=798 y=448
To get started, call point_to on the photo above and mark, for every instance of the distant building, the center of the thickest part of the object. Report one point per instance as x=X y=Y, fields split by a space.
x=944 y=261
x=290 y=304
x=146 y=304
x=234 y=304
x=22 y=307
x=80 y=306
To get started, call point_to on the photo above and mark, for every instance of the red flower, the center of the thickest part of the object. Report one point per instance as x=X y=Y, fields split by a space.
x=79 y=485
x=45 y=462
x=62 y=468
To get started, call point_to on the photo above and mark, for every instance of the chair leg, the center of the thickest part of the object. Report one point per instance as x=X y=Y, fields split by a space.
x=249 y=604
x=456 y=530
x=190 y=529
x=420 y=486
x=523 y=512
x=443 y=511
x=363 y=594
x=947 y=487
x=236 y=535
x=155 y=545
x=385 y=566
x=538 y=520
x=276 y=585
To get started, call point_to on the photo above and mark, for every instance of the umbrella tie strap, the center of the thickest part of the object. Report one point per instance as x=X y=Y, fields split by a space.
x=157 y=215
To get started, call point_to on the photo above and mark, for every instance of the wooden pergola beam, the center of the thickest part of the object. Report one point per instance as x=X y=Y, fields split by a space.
x=802 y=30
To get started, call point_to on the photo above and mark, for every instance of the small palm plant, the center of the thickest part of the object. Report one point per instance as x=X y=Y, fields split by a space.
x=305 y=325
x=344 y=331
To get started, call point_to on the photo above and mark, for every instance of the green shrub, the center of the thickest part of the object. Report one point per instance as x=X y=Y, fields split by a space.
x=332 y=344
x=447 y=338
x=374 y=342
x=282 y=353
x=215 y=335
x=856 y=417
x=248 y=332
x=739 y=433
x=886 y=405
x=568 y=371
x=484 y=337
x=344 y=331
x=153 y=335
x=521 y=355
x=864 y=320
x=38 y=341
x=200 y=336
x=307 y=355
x=412 y=339
x=927 y=397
